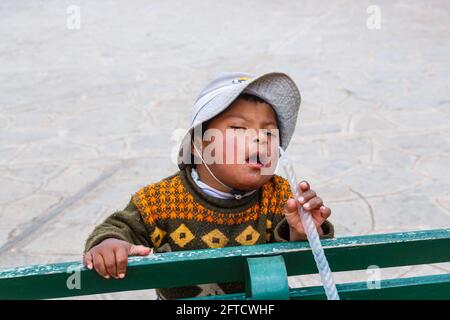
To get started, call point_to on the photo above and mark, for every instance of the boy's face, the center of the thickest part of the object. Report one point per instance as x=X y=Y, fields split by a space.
x=243 y=140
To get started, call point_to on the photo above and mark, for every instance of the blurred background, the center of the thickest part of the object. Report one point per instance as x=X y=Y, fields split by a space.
x=92 y=94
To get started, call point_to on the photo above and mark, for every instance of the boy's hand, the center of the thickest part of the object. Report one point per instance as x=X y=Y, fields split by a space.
x=110 y=257
x=312 y=203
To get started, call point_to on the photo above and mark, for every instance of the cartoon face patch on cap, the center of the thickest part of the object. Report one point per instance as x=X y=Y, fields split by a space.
x=240 y=80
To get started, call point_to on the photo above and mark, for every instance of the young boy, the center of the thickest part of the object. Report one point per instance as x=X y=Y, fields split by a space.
x=225 y=193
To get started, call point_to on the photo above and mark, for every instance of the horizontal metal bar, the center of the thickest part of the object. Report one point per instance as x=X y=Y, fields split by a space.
x=182 y=268
x=423 y=287
x=435 y=287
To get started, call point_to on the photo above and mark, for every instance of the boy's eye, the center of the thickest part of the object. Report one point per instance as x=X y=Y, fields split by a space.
x=269 y=133
x=237 y=128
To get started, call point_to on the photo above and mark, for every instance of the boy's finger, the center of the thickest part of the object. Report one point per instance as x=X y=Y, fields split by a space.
x=110 y=263
x=99 y=265
x=320 y=215
x=121 y=262
x=139 y=250
x=314 y=203
x=303 y=186
x=88 y=260
x=306 y=196
x=325 y=211
x=292 y=216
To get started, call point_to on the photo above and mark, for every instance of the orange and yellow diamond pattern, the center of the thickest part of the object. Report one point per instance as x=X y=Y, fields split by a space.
x=215 y=239
x=182 y=236
x=248 y=237
x=157 y=236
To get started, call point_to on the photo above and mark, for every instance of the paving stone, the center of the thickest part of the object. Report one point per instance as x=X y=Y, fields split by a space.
x=404 y=213
x=434 y=167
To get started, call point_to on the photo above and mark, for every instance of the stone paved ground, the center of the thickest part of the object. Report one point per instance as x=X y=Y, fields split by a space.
x=87 y=115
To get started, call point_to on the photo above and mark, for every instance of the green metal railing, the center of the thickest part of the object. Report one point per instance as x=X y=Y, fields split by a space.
x=264 y=269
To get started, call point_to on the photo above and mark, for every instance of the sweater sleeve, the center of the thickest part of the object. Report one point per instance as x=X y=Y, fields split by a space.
x=124 y=225
x=281 y=231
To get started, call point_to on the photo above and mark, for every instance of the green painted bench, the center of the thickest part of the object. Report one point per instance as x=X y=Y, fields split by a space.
x=264 y=269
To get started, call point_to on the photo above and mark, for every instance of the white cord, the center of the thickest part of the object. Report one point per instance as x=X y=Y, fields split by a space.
x=311 y=232
x=237 y=196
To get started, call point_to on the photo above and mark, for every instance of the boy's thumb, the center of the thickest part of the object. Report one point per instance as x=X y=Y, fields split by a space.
x=139 y=250
x=290 y=208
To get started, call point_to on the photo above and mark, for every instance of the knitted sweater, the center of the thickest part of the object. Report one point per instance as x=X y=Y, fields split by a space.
x=174 y=214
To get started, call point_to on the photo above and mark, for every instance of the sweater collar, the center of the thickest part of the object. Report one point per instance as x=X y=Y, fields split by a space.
x=214 y=203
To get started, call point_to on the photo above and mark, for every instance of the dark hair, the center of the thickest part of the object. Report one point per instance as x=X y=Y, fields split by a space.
x=251 y=98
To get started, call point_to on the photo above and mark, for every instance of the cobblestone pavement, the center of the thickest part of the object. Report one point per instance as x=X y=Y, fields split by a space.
x=87 y=114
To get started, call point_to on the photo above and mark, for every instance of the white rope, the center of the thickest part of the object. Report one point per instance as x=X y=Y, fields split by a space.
x=311 y=233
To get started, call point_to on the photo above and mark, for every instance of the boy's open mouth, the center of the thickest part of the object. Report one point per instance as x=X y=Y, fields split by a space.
x=255 y=161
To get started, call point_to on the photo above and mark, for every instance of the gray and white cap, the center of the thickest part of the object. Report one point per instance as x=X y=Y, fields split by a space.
x=276 y=88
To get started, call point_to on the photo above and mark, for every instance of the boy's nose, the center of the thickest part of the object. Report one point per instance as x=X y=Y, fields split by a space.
x=257 y=140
